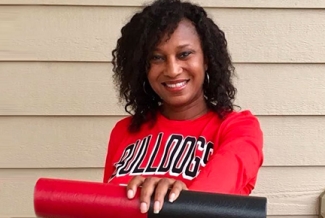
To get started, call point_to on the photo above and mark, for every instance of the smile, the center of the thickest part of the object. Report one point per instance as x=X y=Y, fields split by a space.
x=175 y=86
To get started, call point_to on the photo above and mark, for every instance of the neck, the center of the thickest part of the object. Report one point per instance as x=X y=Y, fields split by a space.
x=186 y=112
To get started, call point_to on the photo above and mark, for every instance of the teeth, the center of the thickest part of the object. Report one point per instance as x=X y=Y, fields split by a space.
x=177 y=85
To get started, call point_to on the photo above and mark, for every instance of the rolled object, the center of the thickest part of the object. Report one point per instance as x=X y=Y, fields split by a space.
x=58 y=198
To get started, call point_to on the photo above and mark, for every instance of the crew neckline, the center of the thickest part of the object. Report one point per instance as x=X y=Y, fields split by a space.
x=164 y=119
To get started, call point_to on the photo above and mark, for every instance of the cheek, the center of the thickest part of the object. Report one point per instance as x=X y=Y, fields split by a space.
x=153 y=75
x=197 y=66
x=198 y=72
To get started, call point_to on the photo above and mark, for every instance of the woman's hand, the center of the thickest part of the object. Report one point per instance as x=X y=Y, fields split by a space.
x=158 y=185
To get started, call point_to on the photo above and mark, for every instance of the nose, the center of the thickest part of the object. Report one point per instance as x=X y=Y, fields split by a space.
x=173 y=68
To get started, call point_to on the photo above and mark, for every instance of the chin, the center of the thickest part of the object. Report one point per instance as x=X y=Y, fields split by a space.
x=177 y=102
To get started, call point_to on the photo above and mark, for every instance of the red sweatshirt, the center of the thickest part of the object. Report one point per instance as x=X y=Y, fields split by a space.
x=207 y=154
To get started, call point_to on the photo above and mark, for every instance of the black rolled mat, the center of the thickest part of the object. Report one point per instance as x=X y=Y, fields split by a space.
x=207 y=205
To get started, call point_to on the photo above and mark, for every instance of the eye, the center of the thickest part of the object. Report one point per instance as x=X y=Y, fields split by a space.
x=184 y=54
x=156 y=58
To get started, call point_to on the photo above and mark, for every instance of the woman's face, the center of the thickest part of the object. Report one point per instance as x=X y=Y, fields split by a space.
x=177 y=67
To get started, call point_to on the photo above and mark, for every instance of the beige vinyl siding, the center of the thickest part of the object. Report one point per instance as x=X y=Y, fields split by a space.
x=69 y=33
x=81 y=142
x=316 y=4
x=286 y=197
x=79 y=88
x=58 y=104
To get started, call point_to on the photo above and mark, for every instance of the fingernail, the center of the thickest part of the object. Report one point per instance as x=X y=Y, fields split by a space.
x=156 y=207
x=172 y=198
x=143 y=207
x=130 y=193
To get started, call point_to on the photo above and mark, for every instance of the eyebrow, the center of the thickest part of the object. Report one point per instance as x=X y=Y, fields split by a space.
x=178 y=47
x=183 y=46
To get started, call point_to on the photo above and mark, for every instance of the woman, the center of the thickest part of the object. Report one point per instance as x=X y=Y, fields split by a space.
x=173 y=70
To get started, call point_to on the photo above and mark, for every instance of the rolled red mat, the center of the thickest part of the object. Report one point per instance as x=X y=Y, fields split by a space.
x=58 y=198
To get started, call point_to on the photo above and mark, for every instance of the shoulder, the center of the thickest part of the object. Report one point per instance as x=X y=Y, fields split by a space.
x=243 y=118
x=242 y=127
x=240 y=114
x=121 y=126
x=123 y=123
x=235 y=115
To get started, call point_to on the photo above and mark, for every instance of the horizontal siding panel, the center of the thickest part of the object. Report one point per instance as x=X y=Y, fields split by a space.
x=90 y=33
x=282 y=89
x=54 y=141
x=57 y=89
x=34 y=88
x=294 y=141
x=59 y=142
x=205 y=3
x=294 y=216
x=290 y=191
x=22 y=182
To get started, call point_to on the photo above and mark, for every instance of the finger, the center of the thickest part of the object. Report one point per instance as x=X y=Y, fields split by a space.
x=176 y=190
x=133 y=185
x=160 y=193
x=148 y=187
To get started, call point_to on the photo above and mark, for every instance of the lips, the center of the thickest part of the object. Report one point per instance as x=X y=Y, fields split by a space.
x=175 y=85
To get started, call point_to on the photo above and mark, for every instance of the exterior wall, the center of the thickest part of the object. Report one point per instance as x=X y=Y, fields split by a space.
x=58 y=105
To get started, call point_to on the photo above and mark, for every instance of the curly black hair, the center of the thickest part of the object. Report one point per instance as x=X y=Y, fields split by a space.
x=139 y=37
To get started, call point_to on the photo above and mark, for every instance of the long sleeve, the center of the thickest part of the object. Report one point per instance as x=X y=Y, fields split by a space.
x=112 y=146
x=234 y=165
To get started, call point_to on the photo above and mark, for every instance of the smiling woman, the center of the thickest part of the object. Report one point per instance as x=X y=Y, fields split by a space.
x=177 y=71
x=174 y=73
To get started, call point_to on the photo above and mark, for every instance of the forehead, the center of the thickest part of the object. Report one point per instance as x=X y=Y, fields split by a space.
x=185 y=33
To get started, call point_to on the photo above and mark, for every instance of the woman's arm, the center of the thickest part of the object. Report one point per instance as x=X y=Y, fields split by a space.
x=235 y=163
